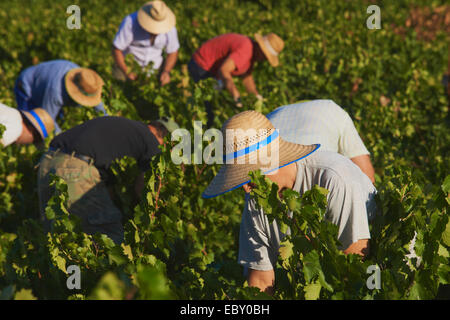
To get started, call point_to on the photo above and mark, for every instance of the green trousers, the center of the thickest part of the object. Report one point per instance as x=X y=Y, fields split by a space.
x=89 y=198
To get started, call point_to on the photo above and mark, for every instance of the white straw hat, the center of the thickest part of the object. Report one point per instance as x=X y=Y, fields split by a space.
x=156 y=17
x=251 y=142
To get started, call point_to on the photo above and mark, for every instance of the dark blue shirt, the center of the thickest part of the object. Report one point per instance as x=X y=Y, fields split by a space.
x=106 y=139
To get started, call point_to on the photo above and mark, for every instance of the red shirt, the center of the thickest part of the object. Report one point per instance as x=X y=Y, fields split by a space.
x=215 y=51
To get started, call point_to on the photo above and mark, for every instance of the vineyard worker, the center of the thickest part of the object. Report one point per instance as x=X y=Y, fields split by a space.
x=145 y=34
x=24 y=127
x=350 y=198
x=55 y=84
x=232 y=54
x=82 y=157
x=324 y=122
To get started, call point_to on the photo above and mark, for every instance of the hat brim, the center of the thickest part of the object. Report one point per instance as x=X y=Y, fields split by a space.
x=12 y=120
x=273 y=60
x=170 y=125
x=232 y=176
x=75 y=93
x=156 y=27
x=43 y=123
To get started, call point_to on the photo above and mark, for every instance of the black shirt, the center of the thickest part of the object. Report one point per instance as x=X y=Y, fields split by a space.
x=108 y=138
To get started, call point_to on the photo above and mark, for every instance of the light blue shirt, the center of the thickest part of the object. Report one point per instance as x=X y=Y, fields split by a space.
x=43 y=86
x=319 y=121
x=132 y=38
x=350 y=205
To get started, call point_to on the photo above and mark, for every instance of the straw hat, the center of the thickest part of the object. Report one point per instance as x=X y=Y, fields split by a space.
x=156 y=17
x=271 y=45
x=41 y=120
x=251 y=142
x=168 y=123
x=84 y=86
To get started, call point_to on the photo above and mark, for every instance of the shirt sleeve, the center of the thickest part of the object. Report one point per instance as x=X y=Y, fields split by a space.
x=21 y=90
x=172 y=41
x=57 y=128
x=144 y=165
x=242 y=55
x=350 y=143
x=255 y=249
x=151 y=150
x=347 y=208
x=101 y=108
x=124 y=36
x=51 y=104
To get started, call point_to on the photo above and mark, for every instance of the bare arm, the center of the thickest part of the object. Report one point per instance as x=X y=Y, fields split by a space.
x=364 y=163
x=264 y=280
x=360 y=247
x=170 y=62
x=120 y=61
x=225 y=74
x=249 y=83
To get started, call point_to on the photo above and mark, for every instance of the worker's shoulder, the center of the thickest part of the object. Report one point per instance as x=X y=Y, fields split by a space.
x=333 y=165
x=322 y=107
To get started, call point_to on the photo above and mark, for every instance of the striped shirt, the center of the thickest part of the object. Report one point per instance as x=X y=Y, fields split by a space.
x=319 y=121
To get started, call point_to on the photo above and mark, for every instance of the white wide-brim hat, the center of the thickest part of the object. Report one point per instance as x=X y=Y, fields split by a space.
x=11 y=119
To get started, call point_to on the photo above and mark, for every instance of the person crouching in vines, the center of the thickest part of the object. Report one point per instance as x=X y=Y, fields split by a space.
x=292 y=166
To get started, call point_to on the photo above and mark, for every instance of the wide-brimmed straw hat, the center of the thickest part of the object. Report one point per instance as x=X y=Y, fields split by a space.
x=251 y=143
x=41 y=120
x=156 y=17
x=271 y=45
x=84 y=86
